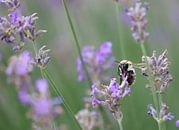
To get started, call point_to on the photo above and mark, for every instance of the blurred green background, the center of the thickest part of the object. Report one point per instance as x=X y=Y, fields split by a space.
x=95 y=22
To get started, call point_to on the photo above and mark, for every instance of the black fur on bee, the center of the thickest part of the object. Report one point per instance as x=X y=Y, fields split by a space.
x=125 y=69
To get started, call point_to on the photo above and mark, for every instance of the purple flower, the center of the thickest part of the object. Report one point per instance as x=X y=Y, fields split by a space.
x=42 y=86
x=110 y=95
x=139 y=23
x=160 y=70
x=169 y=117
x=42 y=107
x=96 y=61
x=177 y=123
x=162 y=115
x=15 y=19
x=16 y=28
x=24 y=97
x=20 y=65
x=7 y=33
x=127 y=92
x=24 y=63
x=11 y=4
x=42 y=104
x=88 y=120
x=25 y=26
x=96 y=102
x=152 y=112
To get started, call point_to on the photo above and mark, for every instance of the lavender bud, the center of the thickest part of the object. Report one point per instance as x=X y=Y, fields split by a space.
x=160 y=71
x=152 y=112
x=11 y=4
x=139 y=23
x=43 y=58
x=7 y=34
x=163 y=115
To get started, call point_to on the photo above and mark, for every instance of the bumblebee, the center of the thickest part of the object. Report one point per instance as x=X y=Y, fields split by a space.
x=127 y=69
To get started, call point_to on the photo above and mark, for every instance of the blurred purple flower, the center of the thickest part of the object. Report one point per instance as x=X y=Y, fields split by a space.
x=139 y=23
x=96 y=61
x=43 y=108
x=24 y=63
x=20 y=65
x=42 y=86
x=177 y=123
x=88 y=120
x=24 y=97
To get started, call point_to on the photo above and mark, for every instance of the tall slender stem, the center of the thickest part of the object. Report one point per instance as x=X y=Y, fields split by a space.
x=159 y=126
x=45 y=74
x=120 y=31
x=156 y=98
x=64 y=101
x=120 y=124
x=76 y=41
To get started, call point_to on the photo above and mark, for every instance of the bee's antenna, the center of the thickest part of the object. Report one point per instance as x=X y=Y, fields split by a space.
x=117 y=61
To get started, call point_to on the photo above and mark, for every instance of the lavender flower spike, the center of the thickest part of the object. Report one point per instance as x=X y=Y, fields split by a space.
x=98 y=61
x=43 y=108
x=137 y=15
x=15 y=29
x=111 y=96
x=160 y=71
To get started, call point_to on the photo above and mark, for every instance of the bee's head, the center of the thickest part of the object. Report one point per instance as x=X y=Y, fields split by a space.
x=126 y=62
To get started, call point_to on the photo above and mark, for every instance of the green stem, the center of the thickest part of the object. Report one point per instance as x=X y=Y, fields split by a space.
x=35 y=48
x=160 y=103
x=76 y=41
x=120 y=124
x=120 y=30
x=64 y=101
x=156 y=98
x=161 y=125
